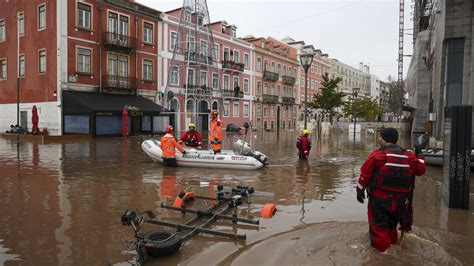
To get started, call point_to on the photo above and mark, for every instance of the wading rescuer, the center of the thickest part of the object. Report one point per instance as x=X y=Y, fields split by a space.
x=303 y=143
x=388 y=175
x=191 y=138
x=215 y=135
x=168 y=145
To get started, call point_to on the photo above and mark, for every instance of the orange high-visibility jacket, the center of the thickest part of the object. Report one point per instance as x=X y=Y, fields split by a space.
x=216 y=130
x=168 y=145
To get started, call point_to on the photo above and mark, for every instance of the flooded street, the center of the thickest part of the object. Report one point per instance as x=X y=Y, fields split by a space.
x=60 y=204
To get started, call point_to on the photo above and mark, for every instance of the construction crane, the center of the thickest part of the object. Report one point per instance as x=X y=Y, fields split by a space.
x=401 y=21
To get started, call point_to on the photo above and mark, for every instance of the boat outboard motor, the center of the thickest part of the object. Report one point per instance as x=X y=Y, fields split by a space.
x=243 y=148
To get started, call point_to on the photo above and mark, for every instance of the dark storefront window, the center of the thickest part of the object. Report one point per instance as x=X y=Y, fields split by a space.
x=108 y=125
x=146 y=123
x=160 y=122
x=77 y=124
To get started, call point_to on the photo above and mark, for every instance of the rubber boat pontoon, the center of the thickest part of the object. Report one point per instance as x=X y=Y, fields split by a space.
x=436 y=157
x=245 y=158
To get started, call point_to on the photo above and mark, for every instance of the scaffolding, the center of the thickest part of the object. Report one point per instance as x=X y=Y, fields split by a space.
x=194 y=72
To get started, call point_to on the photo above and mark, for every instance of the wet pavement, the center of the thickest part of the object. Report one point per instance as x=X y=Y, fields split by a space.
x=60 y=204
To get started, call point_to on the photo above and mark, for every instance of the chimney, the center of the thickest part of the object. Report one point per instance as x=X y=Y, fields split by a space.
x=361 y=66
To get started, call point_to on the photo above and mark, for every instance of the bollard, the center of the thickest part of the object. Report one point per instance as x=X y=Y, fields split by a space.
x=457 y=156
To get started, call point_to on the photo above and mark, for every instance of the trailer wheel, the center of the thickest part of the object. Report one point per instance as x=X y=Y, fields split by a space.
x=164 y=243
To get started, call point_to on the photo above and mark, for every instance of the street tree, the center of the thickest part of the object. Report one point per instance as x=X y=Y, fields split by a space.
x=395 y=100
x=366 y=108
x=328 y=98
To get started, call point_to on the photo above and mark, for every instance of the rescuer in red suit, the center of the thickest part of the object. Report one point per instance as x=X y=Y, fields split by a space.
x=388 y=175
x=303 y=143
x=191 y=138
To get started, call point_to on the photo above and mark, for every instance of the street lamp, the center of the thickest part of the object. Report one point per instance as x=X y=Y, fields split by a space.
x=355 y=92
x=306 y=58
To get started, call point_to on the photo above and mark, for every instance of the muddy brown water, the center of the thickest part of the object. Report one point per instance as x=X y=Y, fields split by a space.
x=60 y=204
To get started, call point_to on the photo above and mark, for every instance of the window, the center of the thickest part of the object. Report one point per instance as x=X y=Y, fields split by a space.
x=113 y=23
x=174 y=40
x=3 y=68
x=203 y=48
x=112 y=65
x=236 y=82
x=235 y=110
x=21 y=24
x=265 y=124
x=123 y=26
x=21 y=65
x=191 y=80
x=246 y=109
x=265 y=111
x=272 y=92
x=84 y=60
x=84 y=16
x=278 y=90
x=284 y=70
x=174 y=79
x=246 y=60
x=259 y=111
x=312 y=84
x=265 y=65
x=147 y=70
x=147 y=32
x=265 y=88
x=259 y=88
x=272 y=110
x=226 y=108
x=226 y=82
x=200 y=20
x=190 y=45
x=215 y=52
x=284 y=91
x=226 y=54
x=42 y=61
x=42 y=17
x=234 y=33
x=215 y=80
x=259 y=63
x=246 y=86
x=3 y=35
x=203 y=78
x=273 y=66
x=236 y=56
x=187 y=16
x=279 y=69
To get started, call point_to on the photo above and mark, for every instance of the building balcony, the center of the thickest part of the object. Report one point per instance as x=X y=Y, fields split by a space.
x=196 y=58
x=231 y=65
x=192 y=89
x=271 y=76
x=288 y=100
x=236 y=93
x=119 y=42
x=269 y=98
x=288 y=80
x=118 y=82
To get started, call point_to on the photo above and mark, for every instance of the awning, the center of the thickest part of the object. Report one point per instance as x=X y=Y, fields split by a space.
x=78 y=102
x=408 y=108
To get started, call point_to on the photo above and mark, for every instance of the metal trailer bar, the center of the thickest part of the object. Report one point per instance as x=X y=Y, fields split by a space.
x=209 y=214
x=198 y=229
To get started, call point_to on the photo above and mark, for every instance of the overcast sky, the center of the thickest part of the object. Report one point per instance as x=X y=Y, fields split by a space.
x=351 y=31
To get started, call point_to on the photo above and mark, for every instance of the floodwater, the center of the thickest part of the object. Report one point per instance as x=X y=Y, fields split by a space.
x=60 y=204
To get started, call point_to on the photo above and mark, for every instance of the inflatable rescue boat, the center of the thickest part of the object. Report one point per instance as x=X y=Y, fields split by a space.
x=244 y=158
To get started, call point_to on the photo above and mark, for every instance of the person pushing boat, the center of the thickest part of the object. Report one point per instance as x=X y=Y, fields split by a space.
x=168 y=146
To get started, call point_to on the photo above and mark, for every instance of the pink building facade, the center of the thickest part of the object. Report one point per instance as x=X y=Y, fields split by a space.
x=228 y=83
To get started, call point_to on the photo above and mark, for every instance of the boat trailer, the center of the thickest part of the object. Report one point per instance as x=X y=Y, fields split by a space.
x=162 y=243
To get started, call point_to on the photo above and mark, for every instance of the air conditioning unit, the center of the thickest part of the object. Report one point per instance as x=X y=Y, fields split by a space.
x=432 y=117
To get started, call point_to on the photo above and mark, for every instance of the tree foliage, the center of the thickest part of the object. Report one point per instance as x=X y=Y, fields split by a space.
x=328 y=98
x=395 y=100
x=365 y=108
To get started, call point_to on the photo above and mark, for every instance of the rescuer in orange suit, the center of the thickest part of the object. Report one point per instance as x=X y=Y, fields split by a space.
x=215 y=135
x=168 y=145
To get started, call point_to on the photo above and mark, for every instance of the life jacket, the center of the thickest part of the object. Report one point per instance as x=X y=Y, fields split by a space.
x=168 y=145
x=396 y=174
x=191 y=139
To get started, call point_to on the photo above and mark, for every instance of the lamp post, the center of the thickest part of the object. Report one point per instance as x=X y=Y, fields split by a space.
x=355 y=92
x=306 y=58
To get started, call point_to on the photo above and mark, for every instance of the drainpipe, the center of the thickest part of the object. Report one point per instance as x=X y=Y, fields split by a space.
x=100 y=46
x=136 y=53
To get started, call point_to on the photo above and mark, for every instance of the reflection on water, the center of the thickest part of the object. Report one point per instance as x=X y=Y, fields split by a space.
x=61 y=203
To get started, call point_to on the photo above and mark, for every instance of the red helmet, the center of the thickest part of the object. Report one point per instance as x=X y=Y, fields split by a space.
x=169 y=129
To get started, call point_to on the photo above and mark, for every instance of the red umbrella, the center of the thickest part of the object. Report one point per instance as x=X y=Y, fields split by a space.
x=124 y=122
x=35 y=120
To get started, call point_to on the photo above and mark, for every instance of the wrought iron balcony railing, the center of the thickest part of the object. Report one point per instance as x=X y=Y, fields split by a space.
x=288 y=79
x=288 y=100
x=269 y=98
x=271 y=76
x=118 y=82
x=194 y=57
x=119 y=41
x=197 y=90
x=226 y=64
x=232 y=94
